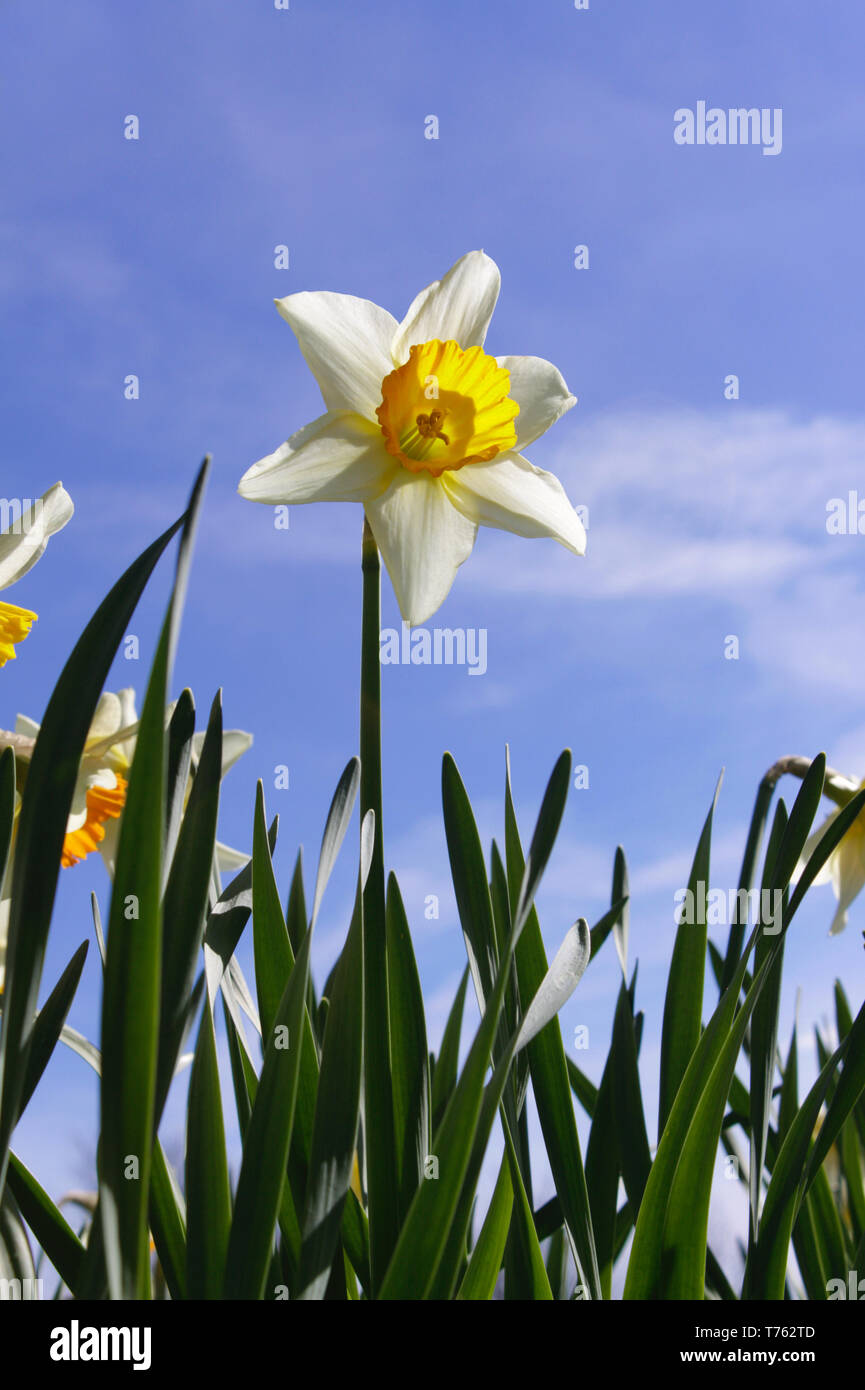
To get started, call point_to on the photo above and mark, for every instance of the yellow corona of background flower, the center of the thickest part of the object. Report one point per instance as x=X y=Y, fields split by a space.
x=423 y=428
x=28 y=526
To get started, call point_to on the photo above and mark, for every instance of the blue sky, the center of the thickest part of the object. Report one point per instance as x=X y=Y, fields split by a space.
x=707 y=516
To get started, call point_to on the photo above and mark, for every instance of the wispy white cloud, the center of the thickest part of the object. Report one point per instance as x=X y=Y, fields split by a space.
x=74 y=262
x=683 y=502
x=722 y=505
x=727 y=508
x=847 y=752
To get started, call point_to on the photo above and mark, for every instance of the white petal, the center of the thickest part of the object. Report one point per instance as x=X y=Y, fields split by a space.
x=839 y=921
x=28 y=727
x=459 y=306
x=540 y=392
x=122 y=749
x=127 y=706
x=108 y=847
x=107 y=719
x=103 y=778
x=78 y=807
x=229 y=860
x=346 y=343
x=826 y=873
x=849 y=785
x=423 y=541
x=512 y=495
x=234 y=744
x=339 y=457
x=18 y=553
x=24 y=744
x=87 y=778
x=559 y=983
x=117 y=749
x=848 y=871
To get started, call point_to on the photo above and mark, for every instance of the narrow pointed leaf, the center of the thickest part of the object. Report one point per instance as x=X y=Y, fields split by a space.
x=42 y=821
x=185 y=902
x=338 y=819
x=409 y=1052
x=181 y=728
x=470 y=880
x=683 y=1006
x=337 y=1110
x=48 y=1225
x=801 y=818
x=268 y=1138
x=848 y=1092
x=130 y=1004
x=524 y=1237
x=543 y=839
x=447 y=1062
x=227 y=919
x=208 y=1195
x=603 y=1168
x=633 y=1140
x=683 y=1250
x=485 y=1262
x=764 y=1022
x=767 y=1259
x=756 y=829
x=168 y=1223
x=426 y=1231
x=645 y=1260
x=549 y=1073
x=49 y=1022
x=273 y=954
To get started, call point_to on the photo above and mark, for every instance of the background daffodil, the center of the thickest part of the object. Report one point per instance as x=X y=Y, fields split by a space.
x=845 y=867
x=21 y=545
x=100 y=790
x=424 y=428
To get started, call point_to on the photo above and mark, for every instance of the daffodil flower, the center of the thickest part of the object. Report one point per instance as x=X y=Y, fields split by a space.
x=845 y=867
x=21 y=545
x=100 y=789
x=424 y=428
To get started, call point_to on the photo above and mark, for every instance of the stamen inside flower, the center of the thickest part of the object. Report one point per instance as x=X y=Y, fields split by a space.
x=103 y=803
x=15 y=623
x=446 y=407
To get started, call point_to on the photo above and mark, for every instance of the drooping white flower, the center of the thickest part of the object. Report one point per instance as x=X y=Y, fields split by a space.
x=845 y=867
x=22 y=543
x=423 y=428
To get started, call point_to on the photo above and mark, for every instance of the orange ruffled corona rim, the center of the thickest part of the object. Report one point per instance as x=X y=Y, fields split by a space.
x=103 y=804
x=446 y=407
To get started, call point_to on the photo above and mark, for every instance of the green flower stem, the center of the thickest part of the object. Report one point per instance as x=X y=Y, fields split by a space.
x=736 y=939
x=836 y=787
x=381 y=1174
